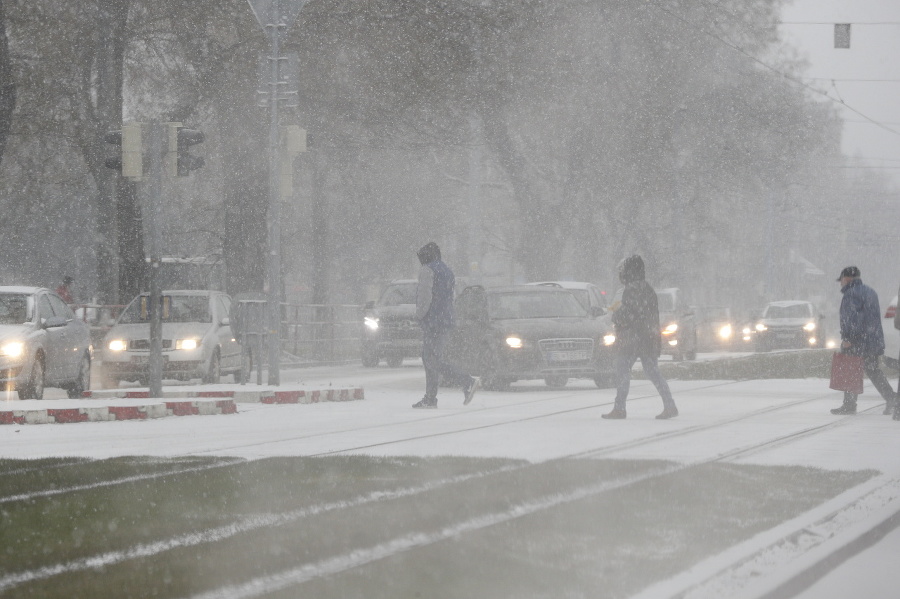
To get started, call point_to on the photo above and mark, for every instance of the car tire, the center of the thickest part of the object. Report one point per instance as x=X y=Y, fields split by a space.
x=556 y=381
x=83 y=381
x=214 y=374
x=369 y=358
x=34 y=388
x=394 y=361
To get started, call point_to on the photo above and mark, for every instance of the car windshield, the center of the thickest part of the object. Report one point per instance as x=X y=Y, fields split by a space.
x=717 y=313
x=524 y=304
x=791 y=311
x=176 y=308
x=396 y=295
x=13 y=308
x=666 y=302
x=582 y=296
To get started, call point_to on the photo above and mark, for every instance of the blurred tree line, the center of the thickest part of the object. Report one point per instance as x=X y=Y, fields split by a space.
x=532 y=139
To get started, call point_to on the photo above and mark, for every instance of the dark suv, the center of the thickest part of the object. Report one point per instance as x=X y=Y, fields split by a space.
x=679 y=326
x=390 y=329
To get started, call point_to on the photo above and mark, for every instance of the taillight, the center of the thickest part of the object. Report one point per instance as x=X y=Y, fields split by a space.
x=891 y=312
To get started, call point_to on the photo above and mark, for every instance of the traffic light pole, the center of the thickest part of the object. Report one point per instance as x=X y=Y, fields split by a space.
x=274 y=29
x=158 y=139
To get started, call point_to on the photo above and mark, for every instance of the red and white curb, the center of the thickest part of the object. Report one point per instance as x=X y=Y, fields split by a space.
x=266 y=396
x=129 y=411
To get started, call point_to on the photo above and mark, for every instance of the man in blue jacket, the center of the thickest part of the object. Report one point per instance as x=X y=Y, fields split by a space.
x=434 y=310
x=862 y=335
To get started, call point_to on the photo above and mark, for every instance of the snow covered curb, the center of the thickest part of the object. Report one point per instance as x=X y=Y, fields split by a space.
x=126 y=410
x=265 y=395
x=777 y=562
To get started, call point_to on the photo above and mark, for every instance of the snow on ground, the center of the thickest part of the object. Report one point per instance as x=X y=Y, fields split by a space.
x=535 y=423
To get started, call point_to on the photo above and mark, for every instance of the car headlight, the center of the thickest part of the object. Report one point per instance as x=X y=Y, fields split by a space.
x=187 y=343
x=514 y=342
x=725 y=332
x=371 y=323
x=609 y=339
x=13 y=349
x=809 y=326
x=761 y=327
x=117 y=345
x=670 y=329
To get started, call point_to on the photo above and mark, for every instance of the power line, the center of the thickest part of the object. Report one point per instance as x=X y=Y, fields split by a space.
x=787 y=76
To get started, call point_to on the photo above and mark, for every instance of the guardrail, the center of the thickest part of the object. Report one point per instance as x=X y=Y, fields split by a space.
x=322 y=333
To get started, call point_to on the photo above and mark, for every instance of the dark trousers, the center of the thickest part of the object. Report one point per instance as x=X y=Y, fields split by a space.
x=434 y=342
x=624 y=362
x=873 y=371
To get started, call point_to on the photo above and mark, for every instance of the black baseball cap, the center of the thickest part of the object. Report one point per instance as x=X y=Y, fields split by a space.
x=850 y=271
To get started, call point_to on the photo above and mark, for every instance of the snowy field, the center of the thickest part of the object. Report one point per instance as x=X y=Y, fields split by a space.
x=758 y=423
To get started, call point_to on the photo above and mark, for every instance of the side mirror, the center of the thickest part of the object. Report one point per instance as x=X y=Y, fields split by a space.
x=54 y=322
x=597 y=311
x=226 y=322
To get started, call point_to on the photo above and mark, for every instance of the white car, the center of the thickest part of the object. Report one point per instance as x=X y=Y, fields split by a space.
x=197 y=340
x=42 y=343
x=891 y=336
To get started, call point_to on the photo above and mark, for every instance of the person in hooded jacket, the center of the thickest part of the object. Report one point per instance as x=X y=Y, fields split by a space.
x=862 y=335
x=434 y=311
x=638 y=336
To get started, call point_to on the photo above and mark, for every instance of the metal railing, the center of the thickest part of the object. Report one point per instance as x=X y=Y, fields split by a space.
x=321 y=333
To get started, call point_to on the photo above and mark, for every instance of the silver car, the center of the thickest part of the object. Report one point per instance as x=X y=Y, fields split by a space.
x=42 y=343
x=197 y=340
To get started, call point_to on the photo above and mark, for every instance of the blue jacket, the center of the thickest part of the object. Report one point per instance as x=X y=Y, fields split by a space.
x=861 y=320
x=434 y=296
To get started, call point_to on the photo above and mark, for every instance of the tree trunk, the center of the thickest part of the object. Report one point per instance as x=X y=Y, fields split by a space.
x=7 y=85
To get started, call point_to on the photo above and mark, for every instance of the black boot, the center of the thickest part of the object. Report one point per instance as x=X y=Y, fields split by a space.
x=845 y=410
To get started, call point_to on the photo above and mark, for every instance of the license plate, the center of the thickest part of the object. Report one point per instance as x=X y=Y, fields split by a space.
x=784 y=336
x=146 y=359
x=568 y=356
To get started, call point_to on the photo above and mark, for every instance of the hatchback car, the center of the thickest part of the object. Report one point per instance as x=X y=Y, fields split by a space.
x=789 y=324
x=197 y=340
x=679 y=325
x=42 y=343
x=507 y=334
x=717 y=329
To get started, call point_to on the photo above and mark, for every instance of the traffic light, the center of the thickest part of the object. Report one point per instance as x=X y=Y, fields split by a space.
x=180 y=140
x=129 y=161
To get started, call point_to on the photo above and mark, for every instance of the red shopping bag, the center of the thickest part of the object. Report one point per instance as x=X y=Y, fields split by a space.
x=846 y=373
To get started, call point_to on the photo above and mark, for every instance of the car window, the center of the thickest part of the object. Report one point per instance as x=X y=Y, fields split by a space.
x=222 y=308
x=44 y=309
x=13 y=308
x=396 y=295
x=60 y=308
x=176 y=308
x=792 y=311
x=516 y=305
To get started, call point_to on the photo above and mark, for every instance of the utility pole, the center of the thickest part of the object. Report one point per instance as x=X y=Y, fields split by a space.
x=274 y=16
x=157 y=139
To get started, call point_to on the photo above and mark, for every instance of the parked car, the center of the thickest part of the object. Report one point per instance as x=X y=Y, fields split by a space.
x=197 y=340
x=589 y=295
x=679 y=327
x=390 y=329
x=717 y=329
x=526 y=332
x=42 y=344
x=891 y=337
x=790 y=324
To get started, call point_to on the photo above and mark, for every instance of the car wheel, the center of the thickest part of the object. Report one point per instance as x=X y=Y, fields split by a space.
x=369 y=358
x=214 y=374
x=395 y=361
x=83 y=382
x=34 y=388
x=556 y=381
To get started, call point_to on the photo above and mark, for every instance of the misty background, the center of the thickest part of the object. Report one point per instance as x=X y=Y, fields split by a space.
x=531 y=139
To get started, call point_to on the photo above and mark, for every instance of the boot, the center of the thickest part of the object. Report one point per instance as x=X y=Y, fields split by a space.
x=889 y=407
x=426 y=403
x=668 y=412
x=616 y=414
x=845 y=410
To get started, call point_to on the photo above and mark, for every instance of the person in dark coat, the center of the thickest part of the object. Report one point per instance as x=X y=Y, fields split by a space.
x=862 y=335
x=638 y=336
x=434 y=310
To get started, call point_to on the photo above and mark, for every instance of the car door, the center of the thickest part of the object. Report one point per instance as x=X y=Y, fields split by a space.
x=71 y=333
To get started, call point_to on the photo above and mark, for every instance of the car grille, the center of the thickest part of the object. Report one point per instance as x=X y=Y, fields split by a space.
x=144 y=344
x=566 y=351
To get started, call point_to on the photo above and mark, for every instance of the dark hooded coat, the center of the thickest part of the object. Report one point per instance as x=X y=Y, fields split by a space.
x=637 y=319
x=861 y=320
